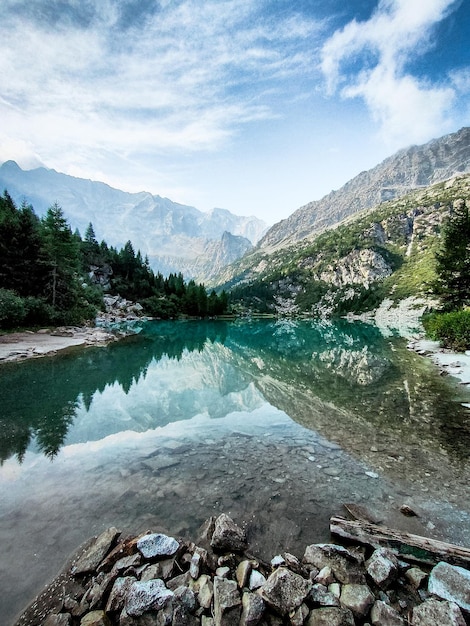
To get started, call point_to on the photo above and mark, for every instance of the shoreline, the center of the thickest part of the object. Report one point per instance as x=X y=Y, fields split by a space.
x=20 y=346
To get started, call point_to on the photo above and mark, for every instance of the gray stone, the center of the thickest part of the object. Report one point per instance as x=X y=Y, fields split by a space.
x=133 y=560
x=384 y=615
x=436 y=613
x=319 y=594
x=227 y=535
x=206 y=591
x=182 y=617
x=223 y=572
x=452 y=583
x=207 y=621
x=382 y=567
x=253 y=608
x=162 y=569
x=186 y=598
x=157 y=545
x=197 y=560
x=345 y=566
x=284 y=591
x=183 y=579
x=146 y=596
x=227 y=602
x=415 y=576
x=277 y=561
x=357 y=598
x=95 y=618
x=330 y=616
x=297 y=616
x=325 y=576
x=93 y=556
x=256 y=581
x=117 y=597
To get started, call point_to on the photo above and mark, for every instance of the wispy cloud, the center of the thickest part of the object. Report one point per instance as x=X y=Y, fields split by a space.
x=154 y=75
x=369 y=60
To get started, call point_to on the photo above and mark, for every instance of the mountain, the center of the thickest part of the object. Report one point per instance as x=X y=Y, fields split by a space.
x=408 y=169
x=174 y=236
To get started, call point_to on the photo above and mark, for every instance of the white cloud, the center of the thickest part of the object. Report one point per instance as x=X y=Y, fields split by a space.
x=368 y=60
x=186 y=77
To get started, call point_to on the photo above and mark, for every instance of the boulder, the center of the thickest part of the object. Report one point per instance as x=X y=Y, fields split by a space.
x=452 y=583
x=384 y=615
x=92 y=557
x=382 y=567
x=146 y=596
x=252 y=609
x=95 y=618
x=320 y=595
x=227 y=602
x=346 y=567
x=157 y=545
x=284 y=591
x=117 y=597
x=256 y=581
x=330 y=616
x=435 y=613
x=357 y=598
x=228 y=536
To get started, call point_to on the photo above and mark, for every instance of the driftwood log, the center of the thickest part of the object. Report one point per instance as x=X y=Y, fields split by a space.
x=408 y=547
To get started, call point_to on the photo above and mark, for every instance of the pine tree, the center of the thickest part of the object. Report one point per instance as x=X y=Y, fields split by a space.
x=61 y=258
x=453 y=260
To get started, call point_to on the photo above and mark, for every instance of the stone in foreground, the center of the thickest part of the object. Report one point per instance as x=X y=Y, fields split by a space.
x=330 y=616
x=157 y=545
x=452 y=583
x=435 y=613
x=146 y=596
x=284 y=591
x=227 y=602
x=92 y=557
x=227 y=535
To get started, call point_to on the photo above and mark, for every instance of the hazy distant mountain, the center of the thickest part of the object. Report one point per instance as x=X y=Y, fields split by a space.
x=408 y=169
x=174 y=236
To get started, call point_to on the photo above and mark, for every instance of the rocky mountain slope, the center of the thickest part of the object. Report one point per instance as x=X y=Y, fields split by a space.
x=408 y=169
x=174 y=236
x=383 y=253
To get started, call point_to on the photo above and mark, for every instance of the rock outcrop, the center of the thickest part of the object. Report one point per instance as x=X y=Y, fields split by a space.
x=156 y=580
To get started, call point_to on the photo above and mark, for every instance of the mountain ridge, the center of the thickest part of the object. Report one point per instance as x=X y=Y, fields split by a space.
x=171 y=234
x=408 y=169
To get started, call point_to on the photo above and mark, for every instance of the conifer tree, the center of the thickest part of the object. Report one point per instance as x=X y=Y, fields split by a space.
x=453 y=260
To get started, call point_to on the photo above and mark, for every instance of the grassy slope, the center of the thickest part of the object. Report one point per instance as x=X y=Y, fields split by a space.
x=294 y=272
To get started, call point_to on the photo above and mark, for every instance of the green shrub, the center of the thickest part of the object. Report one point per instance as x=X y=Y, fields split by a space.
x=451 y=329
x=12 y=309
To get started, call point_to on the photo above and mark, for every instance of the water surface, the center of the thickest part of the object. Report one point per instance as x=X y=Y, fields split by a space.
x=275 y=423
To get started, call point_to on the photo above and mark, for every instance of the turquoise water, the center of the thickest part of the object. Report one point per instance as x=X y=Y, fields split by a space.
x=276 y=423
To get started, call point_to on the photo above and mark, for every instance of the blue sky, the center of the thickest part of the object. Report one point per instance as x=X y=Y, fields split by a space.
x=256 y=106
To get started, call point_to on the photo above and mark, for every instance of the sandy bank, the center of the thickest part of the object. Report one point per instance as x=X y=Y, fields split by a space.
x=47 y=342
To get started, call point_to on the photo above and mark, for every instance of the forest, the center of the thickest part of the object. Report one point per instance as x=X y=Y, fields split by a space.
x=48 y=274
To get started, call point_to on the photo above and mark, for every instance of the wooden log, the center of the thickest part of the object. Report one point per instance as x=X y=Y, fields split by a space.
x=408 y=547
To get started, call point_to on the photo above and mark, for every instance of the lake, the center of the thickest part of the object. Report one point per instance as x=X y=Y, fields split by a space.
x=277 y=424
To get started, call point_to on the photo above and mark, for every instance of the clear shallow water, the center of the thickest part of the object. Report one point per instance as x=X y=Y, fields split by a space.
x=277 y=424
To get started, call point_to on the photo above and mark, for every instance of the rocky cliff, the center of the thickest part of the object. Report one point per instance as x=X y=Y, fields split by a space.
x=174 y=236
x=385 y=252
x=408 y=169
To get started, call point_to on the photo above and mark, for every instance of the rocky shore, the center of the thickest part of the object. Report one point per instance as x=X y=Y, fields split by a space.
x=156 y=580
x=47 y=342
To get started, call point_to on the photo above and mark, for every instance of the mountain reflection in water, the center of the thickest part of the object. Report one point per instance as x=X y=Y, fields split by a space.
x=275 y=423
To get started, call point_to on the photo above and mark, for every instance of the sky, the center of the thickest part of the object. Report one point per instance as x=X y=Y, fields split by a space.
x=255 y=106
